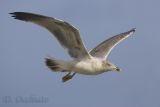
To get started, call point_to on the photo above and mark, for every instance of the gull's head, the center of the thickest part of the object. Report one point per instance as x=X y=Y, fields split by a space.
x=110 y=66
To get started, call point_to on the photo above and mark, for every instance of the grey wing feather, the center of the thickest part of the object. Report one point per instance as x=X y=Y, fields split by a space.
x=103 y=49
x=67 y=35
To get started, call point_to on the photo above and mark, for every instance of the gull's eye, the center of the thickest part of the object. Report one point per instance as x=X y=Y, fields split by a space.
x=108 y=64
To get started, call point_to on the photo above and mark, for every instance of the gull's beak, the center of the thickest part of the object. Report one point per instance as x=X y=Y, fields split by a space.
x=118 y=69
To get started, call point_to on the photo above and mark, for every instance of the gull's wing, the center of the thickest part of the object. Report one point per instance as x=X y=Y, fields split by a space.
x=103 y=49
x=66 y=34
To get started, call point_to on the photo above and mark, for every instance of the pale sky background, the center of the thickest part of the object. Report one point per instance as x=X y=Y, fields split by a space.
x=23 y=47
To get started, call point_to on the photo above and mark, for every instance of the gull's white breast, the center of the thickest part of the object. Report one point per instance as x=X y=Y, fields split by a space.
x=92 y=66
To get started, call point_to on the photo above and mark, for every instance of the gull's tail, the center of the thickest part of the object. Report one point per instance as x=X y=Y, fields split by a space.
x=57 y=65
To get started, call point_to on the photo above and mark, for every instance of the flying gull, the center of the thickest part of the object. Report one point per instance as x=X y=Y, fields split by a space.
x=88 y=63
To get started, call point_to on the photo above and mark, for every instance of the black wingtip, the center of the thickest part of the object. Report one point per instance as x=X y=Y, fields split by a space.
x=133 y=30
x=19 y=15
x=26 y=16
x=13 y=14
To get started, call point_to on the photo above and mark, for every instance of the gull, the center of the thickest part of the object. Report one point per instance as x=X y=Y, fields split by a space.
x=85 y=62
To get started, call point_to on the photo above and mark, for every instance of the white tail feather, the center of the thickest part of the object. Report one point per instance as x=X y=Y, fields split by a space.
x=57 y=65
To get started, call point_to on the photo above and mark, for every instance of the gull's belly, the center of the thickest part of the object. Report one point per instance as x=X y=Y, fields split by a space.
x=89 y=67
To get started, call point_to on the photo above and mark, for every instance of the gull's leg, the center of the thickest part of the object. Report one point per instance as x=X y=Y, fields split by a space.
x=68 y=76
x=64 y=71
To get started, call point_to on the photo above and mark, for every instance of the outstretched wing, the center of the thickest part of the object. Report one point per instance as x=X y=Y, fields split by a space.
x=66 y=34
x=103 y=49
